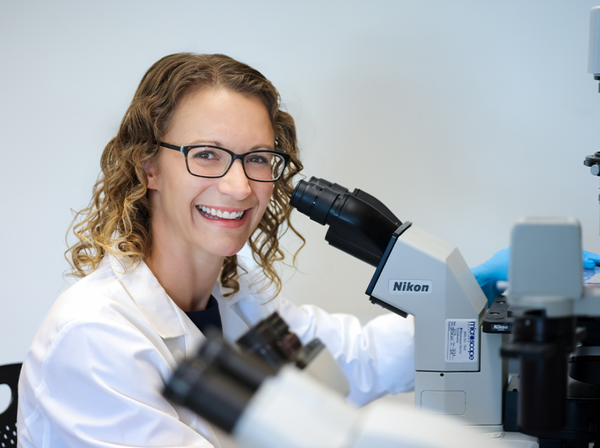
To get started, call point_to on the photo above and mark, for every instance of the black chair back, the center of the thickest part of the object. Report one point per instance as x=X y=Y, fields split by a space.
x=9 y=375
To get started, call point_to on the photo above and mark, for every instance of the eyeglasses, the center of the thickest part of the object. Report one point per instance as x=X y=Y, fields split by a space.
x=213 y=162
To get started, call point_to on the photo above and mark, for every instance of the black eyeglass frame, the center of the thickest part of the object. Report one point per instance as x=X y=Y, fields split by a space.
x=234 y=156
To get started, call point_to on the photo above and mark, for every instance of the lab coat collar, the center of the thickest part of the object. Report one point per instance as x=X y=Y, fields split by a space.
x=151 y=298
x=252 y=303
x=249 y=304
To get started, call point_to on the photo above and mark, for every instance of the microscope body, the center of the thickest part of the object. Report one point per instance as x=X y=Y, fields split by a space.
x=458 y=368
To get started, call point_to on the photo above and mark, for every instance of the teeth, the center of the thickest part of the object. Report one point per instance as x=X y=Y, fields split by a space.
x=220 y=214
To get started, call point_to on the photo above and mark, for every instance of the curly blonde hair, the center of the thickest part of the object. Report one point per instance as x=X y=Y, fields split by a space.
x=118 y=219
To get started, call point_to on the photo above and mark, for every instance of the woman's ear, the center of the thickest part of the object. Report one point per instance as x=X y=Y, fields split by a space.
x=151 y=173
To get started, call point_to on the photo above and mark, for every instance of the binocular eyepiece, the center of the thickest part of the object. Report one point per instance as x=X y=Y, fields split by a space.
x=359 y=224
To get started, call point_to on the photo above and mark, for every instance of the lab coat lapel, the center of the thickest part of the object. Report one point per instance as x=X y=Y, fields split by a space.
x=178 y=332
x=243 y=310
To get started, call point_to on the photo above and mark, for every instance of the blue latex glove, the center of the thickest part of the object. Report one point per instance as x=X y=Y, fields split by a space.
x=492 y=271
x=590 y=260
x=495 y=269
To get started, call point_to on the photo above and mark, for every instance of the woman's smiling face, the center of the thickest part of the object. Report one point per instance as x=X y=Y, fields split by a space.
x=210 y=216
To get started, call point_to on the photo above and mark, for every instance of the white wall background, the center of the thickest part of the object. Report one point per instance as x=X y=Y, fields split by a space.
x=461 y=116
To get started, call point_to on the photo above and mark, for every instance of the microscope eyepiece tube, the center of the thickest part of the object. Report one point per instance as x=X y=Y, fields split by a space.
x=315 y=198
x=218 y=383
x=359 y=224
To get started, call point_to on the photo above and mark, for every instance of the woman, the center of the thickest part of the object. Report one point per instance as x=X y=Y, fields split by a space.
x=183 y=227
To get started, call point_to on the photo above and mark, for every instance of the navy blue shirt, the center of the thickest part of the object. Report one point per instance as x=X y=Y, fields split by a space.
x=208 y=317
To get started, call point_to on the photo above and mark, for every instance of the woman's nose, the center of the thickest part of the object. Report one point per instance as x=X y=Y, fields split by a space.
x=235 y=183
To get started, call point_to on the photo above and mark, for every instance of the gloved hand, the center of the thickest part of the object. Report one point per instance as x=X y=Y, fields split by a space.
x=590 y=260
x=492 y=271
x=495 y=269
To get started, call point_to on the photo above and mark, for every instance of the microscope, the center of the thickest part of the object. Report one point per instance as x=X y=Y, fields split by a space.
x=458 y=368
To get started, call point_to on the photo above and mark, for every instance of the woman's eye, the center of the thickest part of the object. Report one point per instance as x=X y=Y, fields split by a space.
x=206 y=155
x=257 y=158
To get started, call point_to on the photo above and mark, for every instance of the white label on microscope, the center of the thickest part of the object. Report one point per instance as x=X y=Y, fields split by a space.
x=462 y=340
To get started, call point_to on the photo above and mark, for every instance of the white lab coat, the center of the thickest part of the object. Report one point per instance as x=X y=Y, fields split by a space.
x=94 y=372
